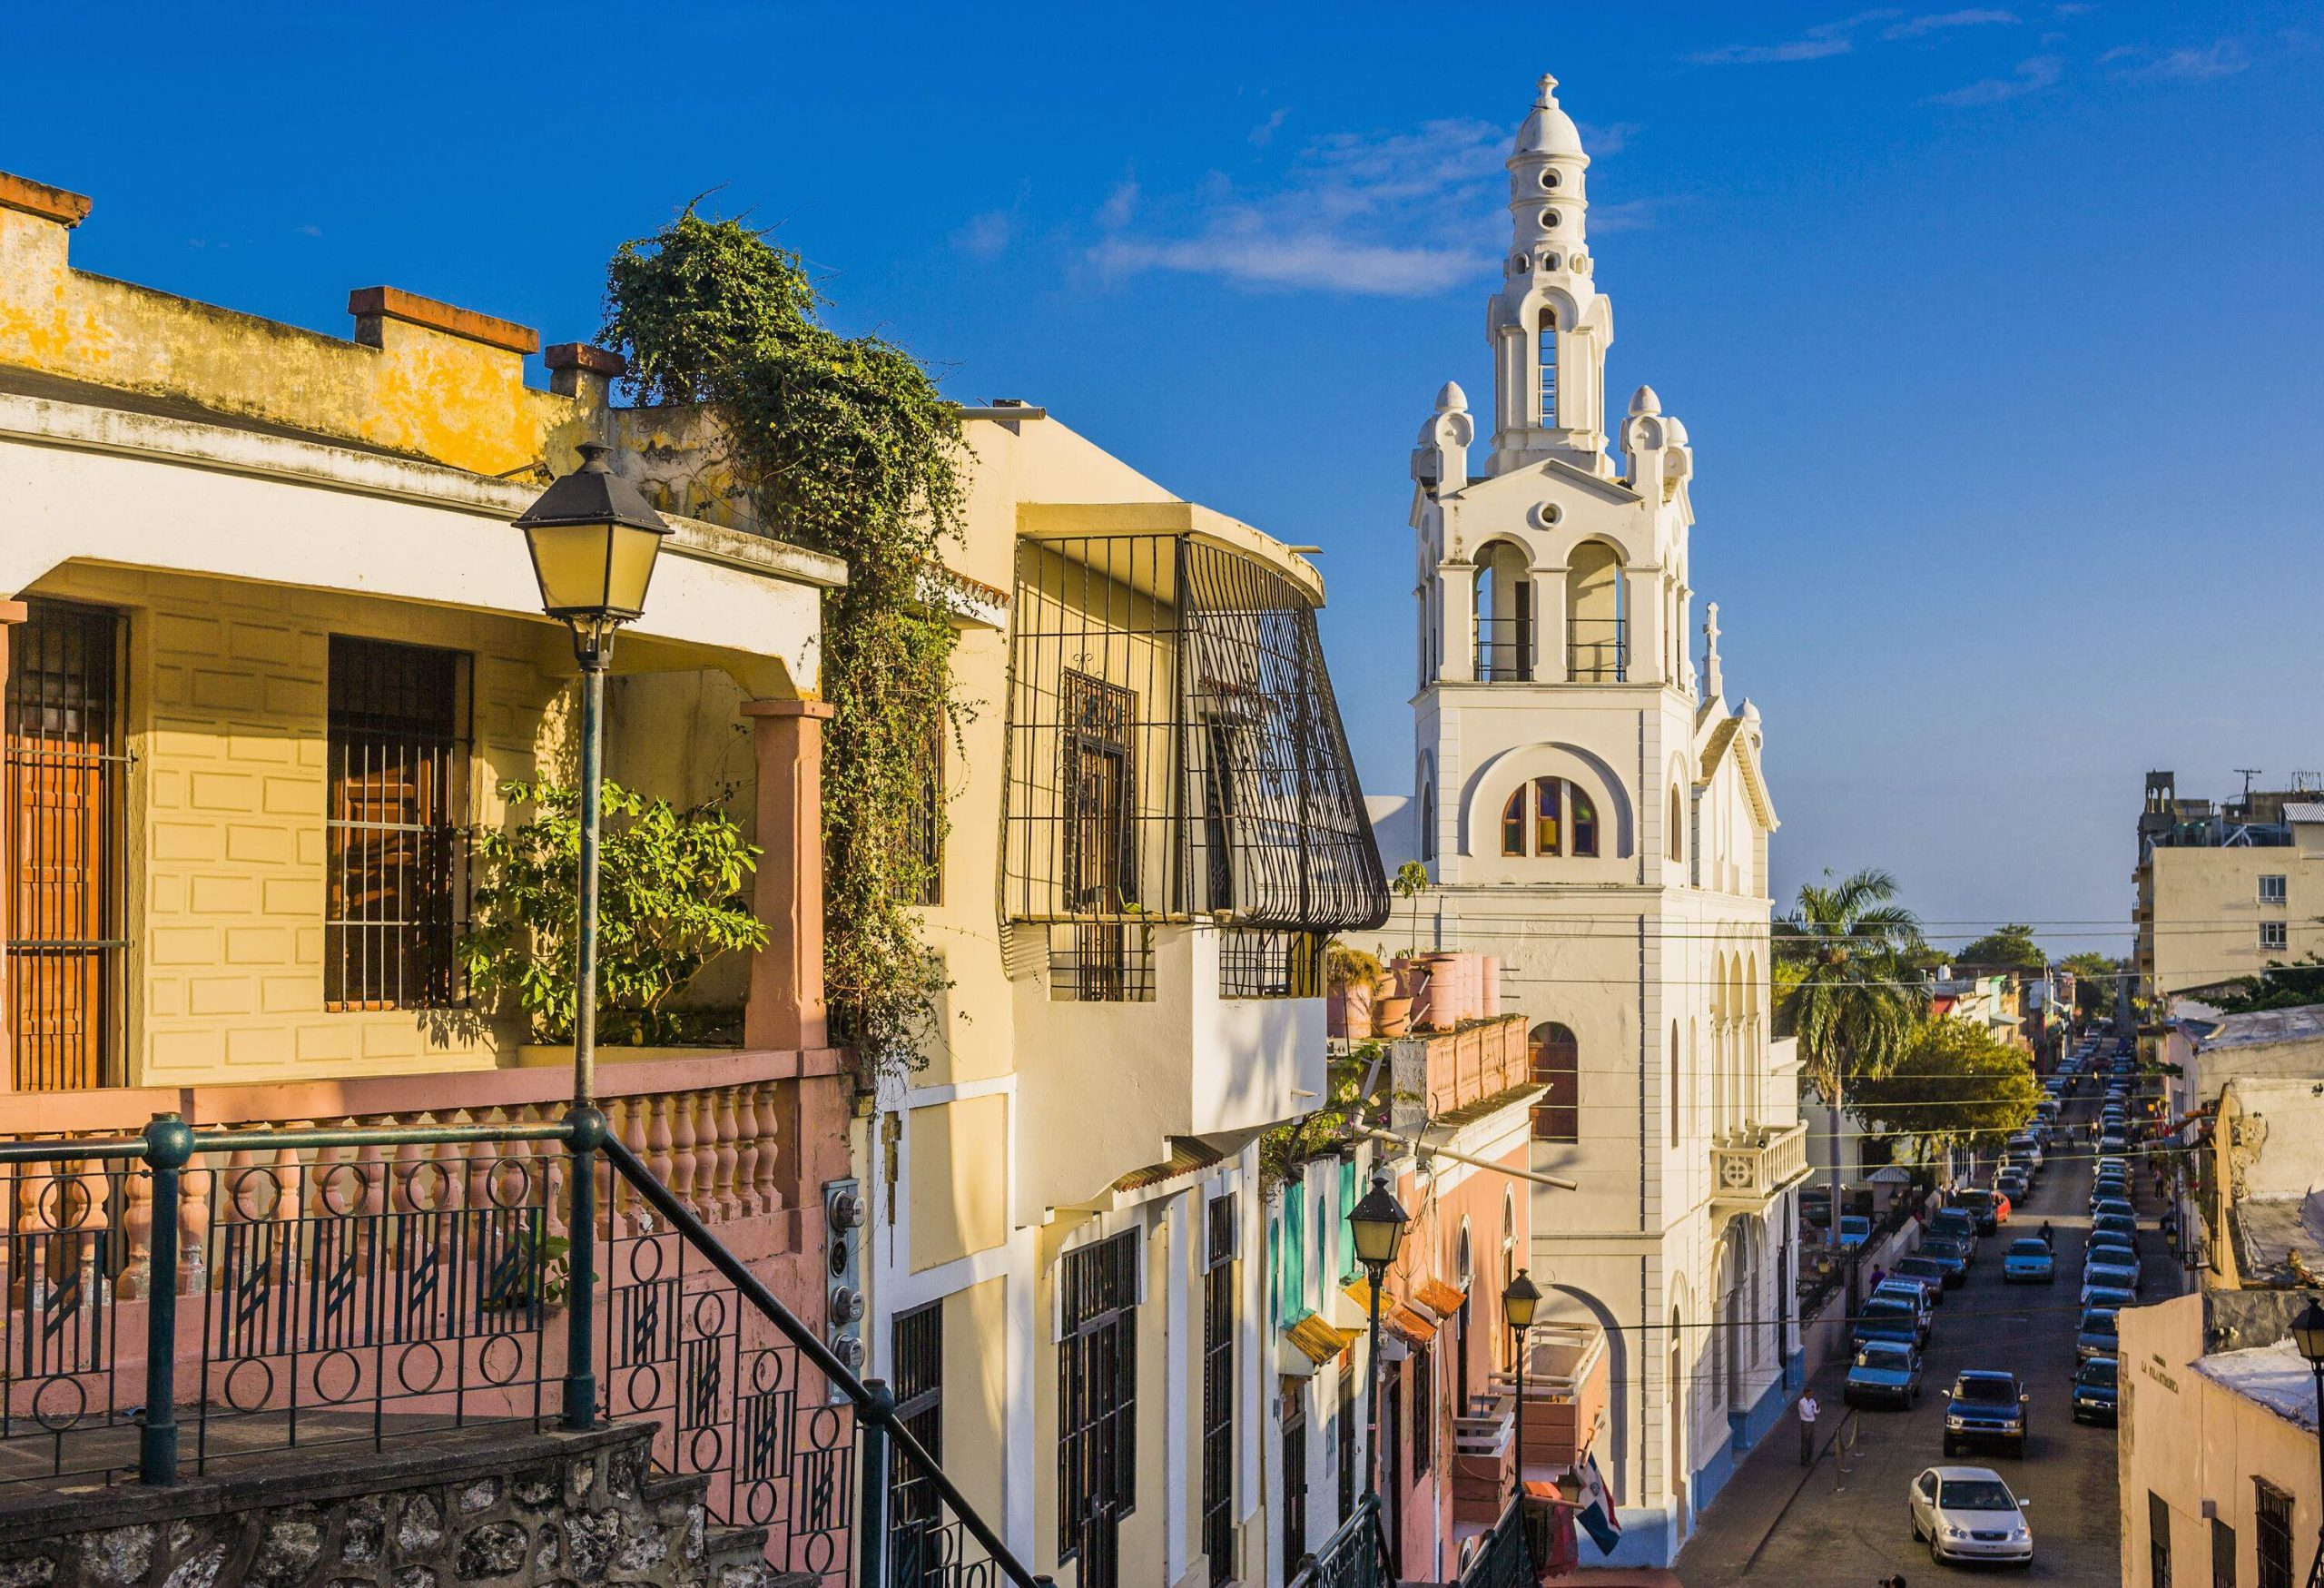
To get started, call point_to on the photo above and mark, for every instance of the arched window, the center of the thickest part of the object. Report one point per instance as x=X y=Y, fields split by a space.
x=1427 y=819
x=1557 y=1065
x=1597 y=605
x=1562 y=817
x=1678 y=825
x=1545 y=355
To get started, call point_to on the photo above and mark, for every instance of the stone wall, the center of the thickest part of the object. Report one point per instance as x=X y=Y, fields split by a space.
x=494 y=1508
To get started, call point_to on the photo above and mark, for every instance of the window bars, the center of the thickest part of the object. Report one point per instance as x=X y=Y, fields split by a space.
x=63 y=773
x=398 y=859
x=1175 y=750
x=1258 y=964
x=1098 y=1403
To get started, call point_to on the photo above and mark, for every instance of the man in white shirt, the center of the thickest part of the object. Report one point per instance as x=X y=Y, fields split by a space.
x=1809 y=1411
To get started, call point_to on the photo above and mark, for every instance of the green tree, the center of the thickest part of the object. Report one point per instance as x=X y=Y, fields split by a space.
x=1845 y=991
x=1955 y=1083
x=2095 y=977
x=2280 y=986
x=1411 y=882
x=669 y=903
x=2011 y=946
x=842 y=444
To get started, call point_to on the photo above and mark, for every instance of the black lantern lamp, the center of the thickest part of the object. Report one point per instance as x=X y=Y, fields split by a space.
x=594 y=538
x=1519 y=1302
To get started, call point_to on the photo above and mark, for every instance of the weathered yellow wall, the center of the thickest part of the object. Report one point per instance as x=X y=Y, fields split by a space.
x=423 y=391
x=972 y=1038
x=976 y=1391
x=959 y=1178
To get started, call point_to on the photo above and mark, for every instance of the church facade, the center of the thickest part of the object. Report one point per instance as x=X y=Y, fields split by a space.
x=1591 y=810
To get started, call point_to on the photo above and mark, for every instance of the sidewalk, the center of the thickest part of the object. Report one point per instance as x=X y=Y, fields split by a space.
x=1752 y=1505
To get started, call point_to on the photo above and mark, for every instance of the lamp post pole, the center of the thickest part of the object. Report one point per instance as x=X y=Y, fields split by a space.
x=2308 y=1334
x=1371 y=1391
x=1376 y=1226
x=1519 y=1302
x=593 y=538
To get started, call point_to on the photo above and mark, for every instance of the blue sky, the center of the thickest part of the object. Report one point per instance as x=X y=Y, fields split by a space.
x=1996 y=328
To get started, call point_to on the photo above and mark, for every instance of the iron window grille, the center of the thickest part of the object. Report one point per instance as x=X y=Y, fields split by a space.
x=1257 y=963
x=2273 y=889
x=1174 y=747
x=1423 y=1380
x=63 y=771
x=925 y=821
x=918 y=1375
x=2274 y=934
x=1101 y=963
x=1098 y=1403
x=1218 y=1394
x=1295 y=1485
x=2273 y=1542
x=1344 y=1439
x=397 y=854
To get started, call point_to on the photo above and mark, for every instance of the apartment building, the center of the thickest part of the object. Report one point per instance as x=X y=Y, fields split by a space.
x=2225 y=888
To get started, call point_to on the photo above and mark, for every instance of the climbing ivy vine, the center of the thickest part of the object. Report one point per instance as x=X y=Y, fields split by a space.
x=841 y=444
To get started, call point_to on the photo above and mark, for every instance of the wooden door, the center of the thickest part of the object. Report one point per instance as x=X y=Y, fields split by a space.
x=59 y=785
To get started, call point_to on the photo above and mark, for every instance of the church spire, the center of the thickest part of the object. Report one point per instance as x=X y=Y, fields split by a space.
x=1548 y=326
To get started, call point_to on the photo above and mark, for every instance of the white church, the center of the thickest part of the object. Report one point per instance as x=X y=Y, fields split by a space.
x=1590 y=808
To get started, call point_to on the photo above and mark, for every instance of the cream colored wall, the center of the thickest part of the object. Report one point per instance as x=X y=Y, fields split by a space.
x=959 y=1178
x=974 y=1036
x=2207 y=912
x=976 y=1393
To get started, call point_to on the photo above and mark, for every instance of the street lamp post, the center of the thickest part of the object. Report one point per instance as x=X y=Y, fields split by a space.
x=1376 y=1224
x=594 y=539
x=2308 y=1334
x=1518 y=1304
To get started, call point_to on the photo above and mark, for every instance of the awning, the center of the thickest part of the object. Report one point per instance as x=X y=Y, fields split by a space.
x=1308 y=1344
x=1439 y=1298
x=1406 y=1323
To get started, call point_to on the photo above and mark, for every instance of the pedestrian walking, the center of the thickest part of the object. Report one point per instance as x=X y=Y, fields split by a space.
x=1808 y=1412
x=2047 y=1239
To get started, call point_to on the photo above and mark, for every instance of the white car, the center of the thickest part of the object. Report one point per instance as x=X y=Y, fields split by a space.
x=1967 y=1514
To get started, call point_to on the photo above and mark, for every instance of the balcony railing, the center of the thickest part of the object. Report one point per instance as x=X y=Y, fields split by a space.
x=1598 y=650
x=1752 y=1167
x=195 y=1299
x=1505 y=650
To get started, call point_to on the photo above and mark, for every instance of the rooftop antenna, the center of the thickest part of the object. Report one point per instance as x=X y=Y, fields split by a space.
x=2248 y=774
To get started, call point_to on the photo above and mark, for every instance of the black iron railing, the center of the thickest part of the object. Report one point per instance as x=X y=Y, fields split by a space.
x=1506 y=1558
x=193 y=1299
x=1505 y=650
x=1598 y=650
x=1354 y=1556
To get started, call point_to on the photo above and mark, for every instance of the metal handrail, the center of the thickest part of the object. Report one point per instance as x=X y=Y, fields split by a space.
x=1365 y=1518
x=876 y=1406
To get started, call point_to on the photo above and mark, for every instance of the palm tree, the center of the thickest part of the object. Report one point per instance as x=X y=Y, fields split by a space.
x=1845 y=990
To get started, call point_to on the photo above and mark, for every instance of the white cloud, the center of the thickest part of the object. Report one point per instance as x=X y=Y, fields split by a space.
x=986 y=236
x=1825 y=38
x=2223 y=58
x=1120 y=206
x=1941 y=21
x=1401 y=213
x=1264 y=134
x=1611 y=139
x=2030 y=77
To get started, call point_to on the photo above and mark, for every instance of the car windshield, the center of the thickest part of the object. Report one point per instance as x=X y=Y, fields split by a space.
x=1974 y=1494
x=1884 y=1354
x=1942 y=1247
x=2032 y=1247
x=1925 y=1268
x=1888 y=1307
x=1971 y=1200
x=2095 y=1322
x=1986 y=1391
x=2109 y=1272
x=2097 y=1375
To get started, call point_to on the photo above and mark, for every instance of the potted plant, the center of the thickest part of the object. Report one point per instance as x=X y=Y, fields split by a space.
x=1353 y=979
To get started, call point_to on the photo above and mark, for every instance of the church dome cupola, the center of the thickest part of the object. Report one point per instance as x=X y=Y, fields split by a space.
x=1548 y=129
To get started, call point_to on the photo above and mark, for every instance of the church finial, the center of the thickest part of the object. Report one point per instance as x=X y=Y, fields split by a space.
x=1714 y=686
x=1548 y=87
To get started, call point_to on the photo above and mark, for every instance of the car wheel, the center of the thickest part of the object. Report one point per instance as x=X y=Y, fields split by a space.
x=1934 y=1553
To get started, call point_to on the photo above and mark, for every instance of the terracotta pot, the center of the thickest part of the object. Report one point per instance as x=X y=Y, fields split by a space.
x=1444 y=1001
x=1348 y=1012
x=1489 y=1000
x=1391 y=1016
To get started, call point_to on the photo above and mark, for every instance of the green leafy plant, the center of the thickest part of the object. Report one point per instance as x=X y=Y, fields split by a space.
x=844 y=445
x=533 y=1269
x=1345 y=966
x=1411 y=882
x=1335 y=1120
x=1955 y=1082
x=670 y=904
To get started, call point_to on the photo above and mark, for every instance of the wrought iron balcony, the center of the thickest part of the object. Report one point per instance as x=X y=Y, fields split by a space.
x=1598 y=650
x=1755 y=1165
x=1505 y=650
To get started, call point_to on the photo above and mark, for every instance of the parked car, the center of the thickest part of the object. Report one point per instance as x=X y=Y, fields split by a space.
x=1967 y=1514
x=1886 y=1318
x=1952 y=1252
x=2114 y=1142
x=2116 y=1249
x=2108 y=1296
x=1855 y=1230
x=1927 y=1271
x=2107 y=1277
x=2013 y=1183
x=1956 y=1224
x=2029 y=1261
x=2100 y=1202
x=2116 y=1224
x=2025 y=1147
x=1910 y=1292
x=2096 y=1395
x=1986 y=1404
x=2095 y=1335
x=1990 y=1209
x=1885 y=1372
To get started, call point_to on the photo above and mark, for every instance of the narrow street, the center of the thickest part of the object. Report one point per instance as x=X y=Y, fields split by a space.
x=1778 y=1524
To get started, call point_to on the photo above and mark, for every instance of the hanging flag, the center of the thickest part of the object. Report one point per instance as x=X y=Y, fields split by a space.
x=1598 y=1508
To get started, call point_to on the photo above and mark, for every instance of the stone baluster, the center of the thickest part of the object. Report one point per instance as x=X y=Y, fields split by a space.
x=137 y=1222
x=634 y=1119
x=702 y=1107
x=772 y=1168
x=730 y=1190
x=657 y=1137
x=679 y=1109
x=197 y=1196
x=744 y=1104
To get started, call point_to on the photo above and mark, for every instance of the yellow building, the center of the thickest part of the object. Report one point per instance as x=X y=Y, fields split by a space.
x=2225 y=891
x=272 y=650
